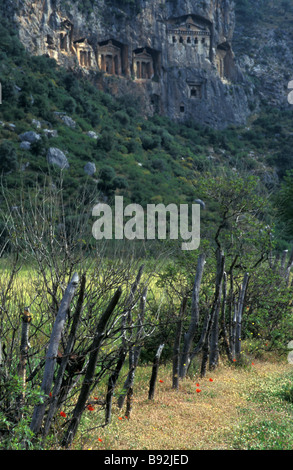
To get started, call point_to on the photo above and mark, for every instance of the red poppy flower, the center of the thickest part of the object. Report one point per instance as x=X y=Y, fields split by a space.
x=161 y=381
x=197 y=385
x=62 y=414
x=50 y=394
x=252 y=363
x=99 y=439
x=120 y=417
x=198 y=390
x=211 y=380
x=90 y=408
x=234 y=360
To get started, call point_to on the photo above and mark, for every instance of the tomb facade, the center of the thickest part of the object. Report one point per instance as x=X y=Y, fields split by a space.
x=195 y=89
x=143 y=67
x=85 y=53
x=65 y=36
x=224 y=61
x=190 y=32
x=112 y=57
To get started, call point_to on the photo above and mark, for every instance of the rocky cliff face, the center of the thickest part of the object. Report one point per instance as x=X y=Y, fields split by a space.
x=175 y=56
x=263 y=45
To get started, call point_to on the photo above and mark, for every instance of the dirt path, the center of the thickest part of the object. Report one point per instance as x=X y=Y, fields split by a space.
x=187 y=419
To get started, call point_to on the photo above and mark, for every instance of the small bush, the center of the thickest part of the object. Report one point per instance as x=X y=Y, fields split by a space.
x=8 y=157
x=287 y=393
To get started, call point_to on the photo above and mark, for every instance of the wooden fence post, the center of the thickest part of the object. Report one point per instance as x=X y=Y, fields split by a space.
x=24 y=348
x=155 y=372
x=239 y=316
x=189 y=335
x=214 y=339
x=65 y=358
x=129 y=402
x=176 y=346
x=112 y=384
x=51 y=356
x=134 y=351
x=212 y=319
x=90 y=371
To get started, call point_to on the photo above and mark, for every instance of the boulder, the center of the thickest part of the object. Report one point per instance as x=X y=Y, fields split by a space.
x=90 y=168
x=92 y=134
x=50 y=133
x=66 y=119
x=11 y=127
x=56 y=157
x=37 y=123
x=24 y=145
x=30 y=136
x=69 y=121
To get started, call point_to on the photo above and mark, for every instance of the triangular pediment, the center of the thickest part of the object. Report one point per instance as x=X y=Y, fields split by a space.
x=109 y=47
x=143 y=55
x=188 y=23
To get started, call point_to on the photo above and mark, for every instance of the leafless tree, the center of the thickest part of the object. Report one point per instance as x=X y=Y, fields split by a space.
x=87 y=305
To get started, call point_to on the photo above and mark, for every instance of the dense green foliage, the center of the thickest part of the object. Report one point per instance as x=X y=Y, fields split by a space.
x=284 y=201
x=154 y=160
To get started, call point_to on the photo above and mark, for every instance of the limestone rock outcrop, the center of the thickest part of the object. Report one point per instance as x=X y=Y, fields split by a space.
x=90 y=168
x=56 y=157
x=175 y=56
x=29 y=136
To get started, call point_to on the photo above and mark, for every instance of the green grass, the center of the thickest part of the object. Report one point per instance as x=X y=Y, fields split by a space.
x=268 y=424
x=266 y=435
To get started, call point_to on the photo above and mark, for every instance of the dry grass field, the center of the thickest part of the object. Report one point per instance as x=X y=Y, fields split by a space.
x=231 y=408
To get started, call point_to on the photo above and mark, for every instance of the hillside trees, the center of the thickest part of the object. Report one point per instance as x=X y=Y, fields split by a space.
x=8 y=157
x=284 y=203
x=233 y=263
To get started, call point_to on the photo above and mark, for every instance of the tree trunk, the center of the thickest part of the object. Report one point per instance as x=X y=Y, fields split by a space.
x=214 y=340
x=189 y=336
x=134 y=352
x=239 y=316
x=90 y=371
x=176 y=347
x=24 y=348
x=205 y=355
x=283 y=261
x=214 y=313
x=55 y=400
x=202 y=338
x=112 y=384
x=51 y=357
x=223 y=319
x=129 y=402
x=129 y=304
x=288 y=268
x=233 y=330
x=155 y=372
